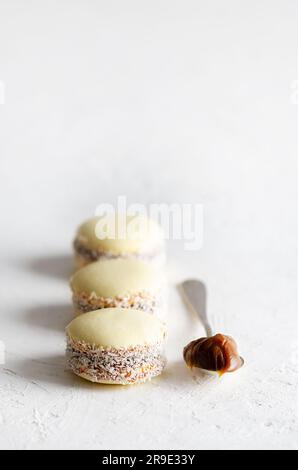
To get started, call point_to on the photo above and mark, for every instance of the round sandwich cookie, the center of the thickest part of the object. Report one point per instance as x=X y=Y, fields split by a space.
x=116 y=346
x=126 y=283
x=119 y=236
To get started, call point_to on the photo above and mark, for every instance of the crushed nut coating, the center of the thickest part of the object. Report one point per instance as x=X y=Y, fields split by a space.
x=144 y=301
x=86 y=255
x=123 y=366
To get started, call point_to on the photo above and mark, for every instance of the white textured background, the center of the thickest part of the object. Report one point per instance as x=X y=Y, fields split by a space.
x=164 y=101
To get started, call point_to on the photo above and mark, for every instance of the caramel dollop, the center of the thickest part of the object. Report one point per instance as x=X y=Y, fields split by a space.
x=218 y=353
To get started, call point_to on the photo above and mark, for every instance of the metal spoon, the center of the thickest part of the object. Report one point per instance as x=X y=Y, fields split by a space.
x=195 y=296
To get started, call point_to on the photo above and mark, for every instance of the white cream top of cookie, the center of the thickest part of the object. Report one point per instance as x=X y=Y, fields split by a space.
x=116 y=327
x=117 y=277
x=121 y=234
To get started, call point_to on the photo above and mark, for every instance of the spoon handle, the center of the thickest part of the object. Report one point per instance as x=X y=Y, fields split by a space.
x=195 y=296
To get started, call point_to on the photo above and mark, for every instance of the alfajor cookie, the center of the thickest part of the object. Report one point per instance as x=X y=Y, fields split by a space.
x=119 y=236
x=126 y=283
x=116 y=346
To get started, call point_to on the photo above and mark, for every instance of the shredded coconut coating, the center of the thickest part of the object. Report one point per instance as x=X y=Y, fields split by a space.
x=144 y=301
x=86 y=255
x=123 y=366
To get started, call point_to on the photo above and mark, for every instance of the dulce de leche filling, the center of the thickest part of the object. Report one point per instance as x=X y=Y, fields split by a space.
x=218 y=353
